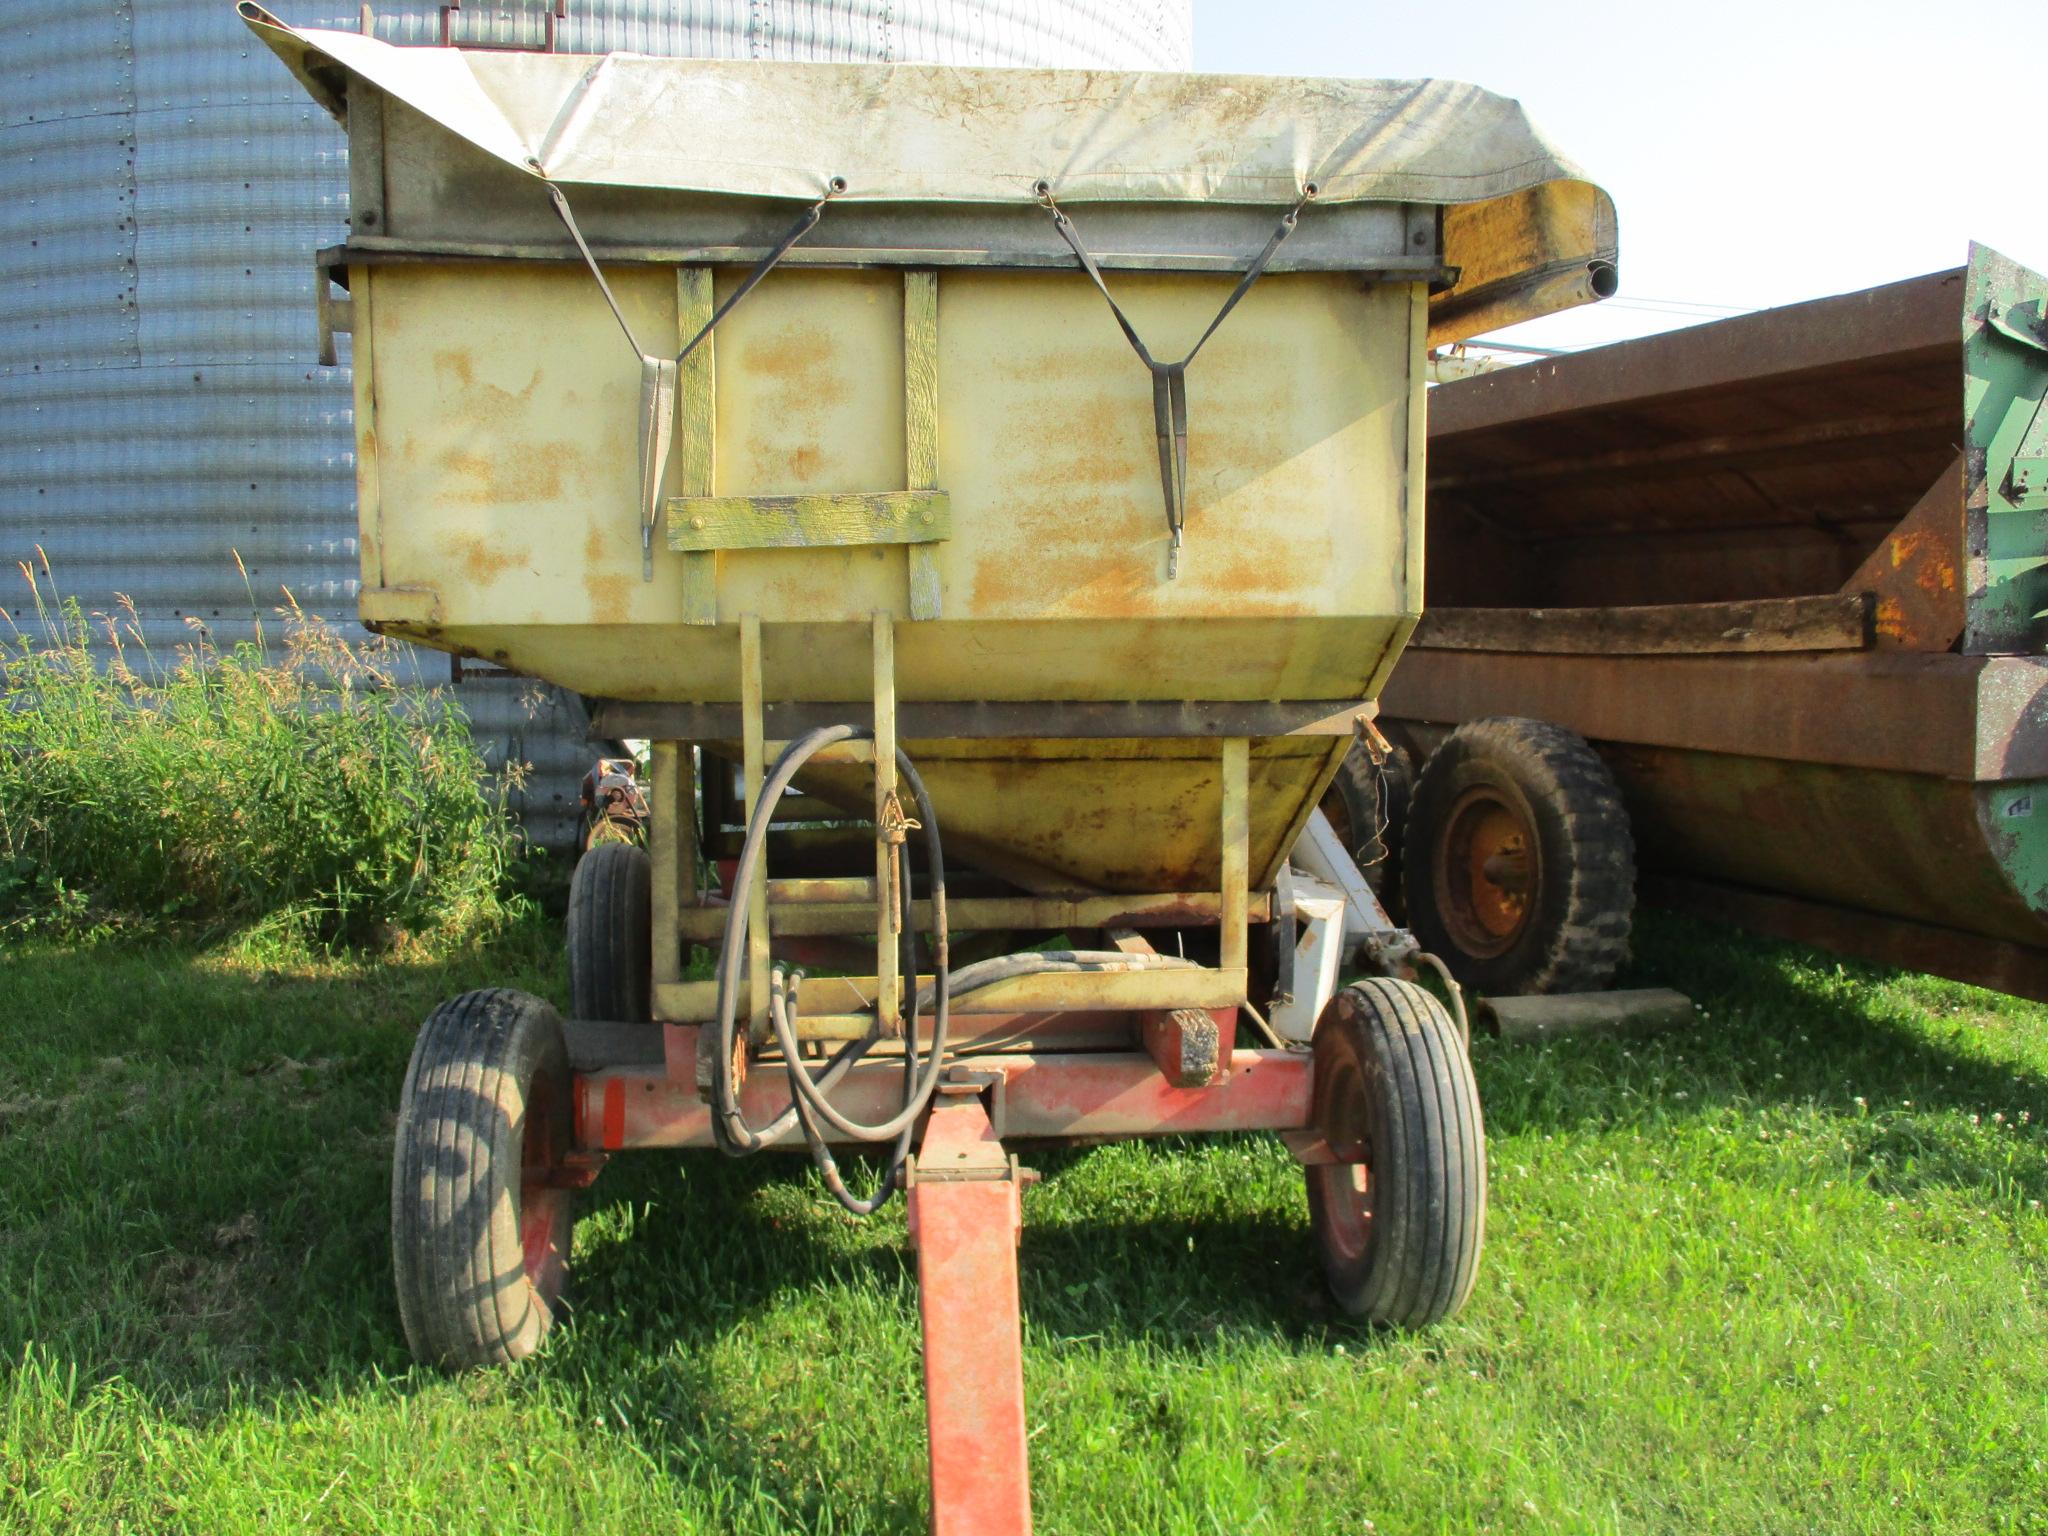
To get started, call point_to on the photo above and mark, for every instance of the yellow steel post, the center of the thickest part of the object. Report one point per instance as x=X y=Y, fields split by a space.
x=664 y=842
x=696 y=412
x=888 y=826
x=1236 y=835
x=755 y=768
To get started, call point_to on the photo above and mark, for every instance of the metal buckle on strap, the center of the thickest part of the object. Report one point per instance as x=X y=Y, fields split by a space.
x=1170 y=380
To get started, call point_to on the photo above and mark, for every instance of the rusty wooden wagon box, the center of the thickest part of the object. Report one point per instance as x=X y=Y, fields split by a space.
x=1785 y=574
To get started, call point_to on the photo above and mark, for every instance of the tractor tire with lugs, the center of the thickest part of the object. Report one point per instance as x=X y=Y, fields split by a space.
x=1518 y=863
x=1366 y=806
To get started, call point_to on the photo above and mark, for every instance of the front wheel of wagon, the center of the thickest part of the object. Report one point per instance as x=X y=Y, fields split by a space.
x=481 y=1212
x=1399 y=1212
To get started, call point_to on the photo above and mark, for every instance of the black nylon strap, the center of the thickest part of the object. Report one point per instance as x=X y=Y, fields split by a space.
x=1169 y=380
x=806 y=222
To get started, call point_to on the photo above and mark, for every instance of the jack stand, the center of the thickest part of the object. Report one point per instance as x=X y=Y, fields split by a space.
x=965 y=1218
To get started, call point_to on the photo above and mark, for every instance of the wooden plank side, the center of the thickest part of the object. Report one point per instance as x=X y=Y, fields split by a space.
x=808 y=522
x=1832 y=621
x=921 y=422
x=1899 y=710
x=696 y=397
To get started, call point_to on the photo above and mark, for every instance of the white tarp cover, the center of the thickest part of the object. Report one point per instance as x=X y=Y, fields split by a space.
x=1532 y=226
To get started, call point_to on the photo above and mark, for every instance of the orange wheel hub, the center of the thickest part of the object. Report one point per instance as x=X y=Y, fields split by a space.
x=1487 y=871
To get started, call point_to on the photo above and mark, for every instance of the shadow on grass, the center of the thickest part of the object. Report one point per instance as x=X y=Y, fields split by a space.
x=1787 y=1028
x=199 y=1173
x=198 y=1203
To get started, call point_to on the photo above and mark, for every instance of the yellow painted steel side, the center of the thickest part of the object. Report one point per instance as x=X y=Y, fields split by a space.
x=501 y=463
x=507 y=461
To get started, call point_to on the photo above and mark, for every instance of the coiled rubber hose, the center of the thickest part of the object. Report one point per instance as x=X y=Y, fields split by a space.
x=810 y=1106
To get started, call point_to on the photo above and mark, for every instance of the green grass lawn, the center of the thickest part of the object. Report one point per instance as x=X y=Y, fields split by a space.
x=1784 y=1272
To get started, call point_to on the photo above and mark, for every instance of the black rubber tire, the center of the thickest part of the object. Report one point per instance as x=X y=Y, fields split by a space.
x=611 y=935
x=1576 y=929
x=480 y=1254
x=1366 y=805
x=1393 y=1083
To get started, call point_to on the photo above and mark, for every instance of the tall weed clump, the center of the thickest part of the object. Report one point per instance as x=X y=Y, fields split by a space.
x=298 y=790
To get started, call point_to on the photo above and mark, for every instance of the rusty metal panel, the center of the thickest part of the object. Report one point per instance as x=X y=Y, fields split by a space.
x=1898 y=324
x=1756 y=458
x=1774 y=458
x=1911 y=846
x=1916 y=573
x=1886 y=710
x=2003 y=966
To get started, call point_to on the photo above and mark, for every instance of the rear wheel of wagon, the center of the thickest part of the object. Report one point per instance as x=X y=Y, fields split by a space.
x=1400 y=1214
x=611 y=929
x=481 y=1210
x=1366 y=805
x=1518 y=863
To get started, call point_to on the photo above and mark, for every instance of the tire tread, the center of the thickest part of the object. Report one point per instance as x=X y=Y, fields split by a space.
x=1429 y=1159
x=610 y=928
x=1589 y=938
x=458 y=1143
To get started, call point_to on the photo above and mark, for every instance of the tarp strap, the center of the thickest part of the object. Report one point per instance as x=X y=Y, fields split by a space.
x=658 y=375
x=1169 y=380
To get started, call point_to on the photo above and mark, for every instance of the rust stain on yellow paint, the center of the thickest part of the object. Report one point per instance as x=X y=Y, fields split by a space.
x=519 y=472
x=458 y=365
x=482 y=561
x=610 y=597
x=804 y=359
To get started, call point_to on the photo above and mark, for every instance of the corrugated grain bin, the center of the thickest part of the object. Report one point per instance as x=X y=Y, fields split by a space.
x=162 y=187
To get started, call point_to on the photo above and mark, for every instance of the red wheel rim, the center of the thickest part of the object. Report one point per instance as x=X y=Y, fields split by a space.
x=1343 y=1190
x=545 y=1217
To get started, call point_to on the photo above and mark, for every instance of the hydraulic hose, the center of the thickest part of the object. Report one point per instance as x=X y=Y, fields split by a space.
x=810 y=1107
x=729 y=1127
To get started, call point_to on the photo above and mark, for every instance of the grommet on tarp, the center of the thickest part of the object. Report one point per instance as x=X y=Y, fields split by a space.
x=1169 y=380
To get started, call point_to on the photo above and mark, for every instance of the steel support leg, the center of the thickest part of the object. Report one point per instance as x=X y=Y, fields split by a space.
x=964 y=1222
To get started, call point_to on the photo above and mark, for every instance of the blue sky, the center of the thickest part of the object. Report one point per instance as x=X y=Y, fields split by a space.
x=1757 y=153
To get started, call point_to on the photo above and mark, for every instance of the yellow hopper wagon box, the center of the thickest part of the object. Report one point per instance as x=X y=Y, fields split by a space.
x=1035 y=455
